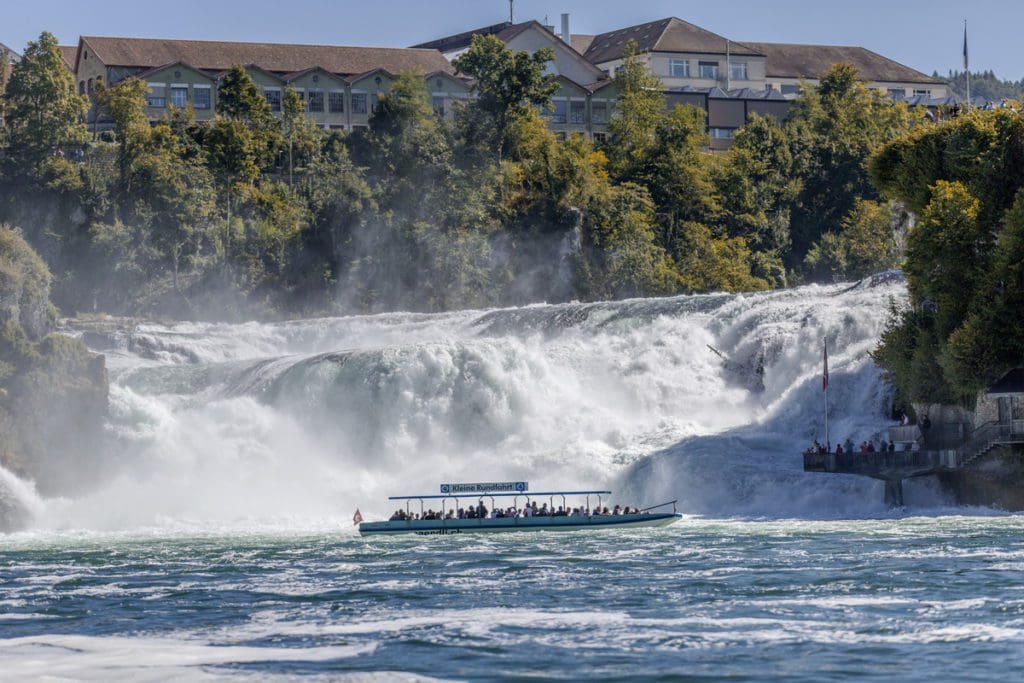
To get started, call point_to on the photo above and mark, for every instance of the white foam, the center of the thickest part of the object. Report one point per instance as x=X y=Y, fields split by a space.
x=271 y=425
x=117 y=658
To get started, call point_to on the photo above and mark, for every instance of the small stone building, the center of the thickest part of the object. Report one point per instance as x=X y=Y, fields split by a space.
x=1003 y=402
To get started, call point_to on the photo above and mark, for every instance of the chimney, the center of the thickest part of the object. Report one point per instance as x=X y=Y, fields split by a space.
x=565 y=30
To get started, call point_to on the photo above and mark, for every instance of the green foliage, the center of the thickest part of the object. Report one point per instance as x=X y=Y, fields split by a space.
x=757 y=186
x=864 y=244
x=963 y=257
x=640 y=108
x=258 y=213
x=42 y=109
x=835 y=130
x=507 y=85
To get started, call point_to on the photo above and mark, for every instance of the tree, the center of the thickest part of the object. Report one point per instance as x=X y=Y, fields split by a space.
x=947 y=253
x=239 y=99
x=43 y=110
x=991 y=339
x=303 y=136
x=676 y=172
x=507 y=85
x=834 y=131
x=864 y=244
x=639 y=108
x=757 y=186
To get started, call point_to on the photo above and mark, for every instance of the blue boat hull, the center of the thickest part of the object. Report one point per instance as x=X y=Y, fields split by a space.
x=463 y=526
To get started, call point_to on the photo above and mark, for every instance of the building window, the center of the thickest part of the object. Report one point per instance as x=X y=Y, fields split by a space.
x=273 y=96
x=600 y=138
x=679 y=68
x=557 y=114
x=179 y=96
x=200 y=97
x=788 y=89
x=709 y=70
x=156 y=96
x=374 y=102
x=721 y=133
x=438 y=102
x=316 y=100
x=599 y=111
x=359 y=103
x=738 y=71
x=922 y=93
x=336 y=102
x=578 y=112
x=81 y=87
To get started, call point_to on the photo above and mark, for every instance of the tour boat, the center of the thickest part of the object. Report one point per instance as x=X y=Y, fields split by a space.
x=454 y=496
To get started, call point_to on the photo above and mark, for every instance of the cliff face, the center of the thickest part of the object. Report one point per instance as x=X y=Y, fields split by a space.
x=997 y=480
x=53 y=391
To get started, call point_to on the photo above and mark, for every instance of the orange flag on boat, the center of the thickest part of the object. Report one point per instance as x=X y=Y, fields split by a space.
x=358 y=517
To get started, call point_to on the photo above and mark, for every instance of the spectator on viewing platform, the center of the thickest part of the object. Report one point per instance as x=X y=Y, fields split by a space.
x=848 y=446
x=839 y=449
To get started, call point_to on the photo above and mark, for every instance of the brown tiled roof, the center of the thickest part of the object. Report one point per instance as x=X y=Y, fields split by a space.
x=664 y=35
x=69 y=53
x=274 y=57
x=813 y=61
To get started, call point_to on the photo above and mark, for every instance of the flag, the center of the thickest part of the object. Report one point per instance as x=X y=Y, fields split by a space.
x=357 y=518
x=824 y=376
x=965 y=46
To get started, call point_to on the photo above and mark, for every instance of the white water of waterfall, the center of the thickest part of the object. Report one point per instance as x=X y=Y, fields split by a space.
x=299 y=423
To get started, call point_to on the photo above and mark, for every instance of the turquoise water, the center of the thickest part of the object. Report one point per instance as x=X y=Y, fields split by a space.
x=915 y=598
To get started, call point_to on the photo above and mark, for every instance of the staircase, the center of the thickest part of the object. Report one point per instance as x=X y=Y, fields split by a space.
x=985 y=439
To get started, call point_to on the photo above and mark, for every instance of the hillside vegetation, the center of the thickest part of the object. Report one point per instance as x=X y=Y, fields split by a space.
x=965 y=257
x=256 y=215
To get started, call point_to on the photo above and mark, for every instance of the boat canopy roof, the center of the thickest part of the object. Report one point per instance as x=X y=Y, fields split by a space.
x=528 y=494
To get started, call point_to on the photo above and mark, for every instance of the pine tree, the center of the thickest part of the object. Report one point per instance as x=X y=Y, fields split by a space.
x=43 y=111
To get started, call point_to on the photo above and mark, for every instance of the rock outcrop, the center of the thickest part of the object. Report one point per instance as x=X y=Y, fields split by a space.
x=53 y=390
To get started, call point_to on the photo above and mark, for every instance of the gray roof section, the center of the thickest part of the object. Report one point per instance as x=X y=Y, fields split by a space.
x=505 y=31
x=786 y=60
x=12 y=54
x=1011 y=383
x=665 y=35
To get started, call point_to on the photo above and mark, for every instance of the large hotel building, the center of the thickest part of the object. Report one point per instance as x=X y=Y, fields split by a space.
x=341 y=85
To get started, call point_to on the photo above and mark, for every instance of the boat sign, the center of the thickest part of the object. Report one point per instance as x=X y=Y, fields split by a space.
x=486 y=487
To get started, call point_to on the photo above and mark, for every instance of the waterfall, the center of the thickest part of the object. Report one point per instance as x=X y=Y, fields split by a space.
x=301 y=422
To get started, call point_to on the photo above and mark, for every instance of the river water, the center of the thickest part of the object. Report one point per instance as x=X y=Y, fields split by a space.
x=212 y=536
x=908 y=598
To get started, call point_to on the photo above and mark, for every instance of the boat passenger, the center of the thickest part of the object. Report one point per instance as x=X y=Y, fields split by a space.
x=481 y=510
x=544 y=510
x=528 y=511
x=617 y=510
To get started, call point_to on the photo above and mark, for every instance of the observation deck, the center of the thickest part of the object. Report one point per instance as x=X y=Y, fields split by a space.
x=943 y=451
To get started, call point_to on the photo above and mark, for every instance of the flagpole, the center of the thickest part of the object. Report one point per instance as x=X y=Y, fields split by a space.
x=967 y=67
x=828 y=444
